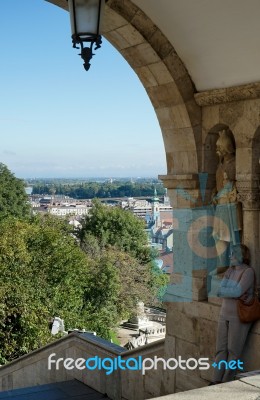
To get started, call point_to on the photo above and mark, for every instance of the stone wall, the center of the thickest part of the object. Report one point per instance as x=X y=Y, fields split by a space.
x=191 y=332
x=243 y=119
x=137 y=386
x=32 y=369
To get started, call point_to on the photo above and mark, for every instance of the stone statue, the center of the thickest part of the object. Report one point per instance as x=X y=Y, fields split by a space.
x=228 y=216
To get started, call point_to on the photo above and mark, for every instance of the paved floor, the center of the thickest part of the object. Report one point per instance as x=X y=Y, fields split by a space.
x=243 y=389
x=69 y=390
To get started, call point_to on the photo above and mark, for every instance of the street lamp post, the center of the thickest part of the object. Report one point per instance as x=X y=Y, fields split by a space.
x=86 y=23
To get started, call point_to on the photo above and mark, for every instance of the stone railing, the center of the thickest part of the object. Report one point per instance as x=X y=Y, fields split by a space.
x=143 y=338
x=136 y=342
x=157 y=318
x=32 y=369
x=156 y=331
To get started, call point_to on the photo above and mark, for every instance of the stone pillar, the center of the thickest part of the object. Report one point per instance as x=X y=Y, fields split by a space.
x=249 y=195
x=193 y=246
x=193 y=253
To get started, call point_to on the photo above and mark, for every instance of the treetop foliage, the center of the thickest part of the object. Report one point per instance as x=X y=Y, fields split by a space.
x=90 y=190
x=113 y=226
x=42 y=274
x=13 y=198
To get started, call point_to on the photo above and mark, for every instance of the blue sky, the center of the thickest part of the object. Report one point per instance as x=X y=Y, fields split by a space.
x=56 y=119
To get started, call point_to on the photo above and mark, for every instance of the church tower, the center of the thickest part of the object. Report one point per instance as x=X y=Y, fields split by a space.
x=155 y=209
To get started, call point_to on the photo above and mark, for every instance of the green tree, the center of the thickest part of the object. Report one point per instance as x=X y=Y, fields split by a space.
x=13 y=198
x=117 y=283
x=110 y=233
x=113 y=226
x=43 y=273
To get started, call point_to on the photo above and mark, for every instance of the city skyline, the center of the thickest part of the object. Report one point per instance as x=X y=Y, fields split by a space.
x=56 y=119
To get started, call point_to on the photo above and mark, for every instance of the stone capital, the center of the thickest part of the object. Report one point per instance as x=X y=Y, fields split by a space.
x=186 y=181
x=248 y=187
x=183 y=190
x=227 y=95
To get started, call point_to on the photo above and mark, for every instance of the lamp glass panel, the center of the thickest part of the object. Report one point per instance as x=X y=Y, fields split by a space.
x=71 y=11
x=86 y=13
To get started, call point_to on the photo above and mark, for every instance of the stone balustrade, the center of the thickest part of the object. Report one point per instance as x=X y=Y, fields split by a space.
x=32 y=369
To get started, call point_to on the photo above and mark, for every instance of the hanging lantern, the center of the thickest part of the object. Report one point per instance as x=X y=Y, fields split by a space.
x=86 y=22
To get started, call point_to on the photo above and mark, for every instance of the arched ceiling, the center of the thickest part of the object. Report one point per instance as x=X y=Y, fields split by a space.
x=218 y=40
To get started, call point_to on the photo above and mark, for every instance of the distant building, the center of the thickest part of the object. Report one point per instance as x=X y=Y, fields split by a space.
x=60 y=206
x=165 y=262
x=152 y=211
x=62 y=211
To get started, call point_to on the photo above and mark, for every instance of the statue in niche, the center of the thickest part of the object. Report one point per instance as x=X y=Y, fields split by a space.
x=228 y=214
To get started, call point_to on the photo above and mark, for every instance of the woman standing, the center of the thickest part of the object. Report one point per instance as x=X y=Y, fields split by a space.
x=238 y=282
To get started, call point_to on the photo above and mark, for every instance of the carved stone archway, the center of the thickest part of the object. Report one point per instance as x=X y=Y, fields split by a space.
x=164 y=78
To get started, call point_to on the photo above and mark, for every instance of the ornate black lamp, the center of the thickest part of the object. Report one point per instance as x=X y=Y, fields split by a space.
x=86 y=21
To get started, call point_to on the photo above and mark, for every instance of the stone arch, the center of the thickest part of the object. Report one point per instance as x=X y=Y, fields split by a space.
x=164 y=77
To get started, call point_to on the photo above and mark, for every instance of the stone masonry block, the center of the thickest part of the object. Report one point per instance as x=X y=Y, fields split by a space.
x=208 y=311
x=182 y=326
x=165 y=118
x=187 y=380
x=140 y=55
x=146 y=77
x=130 y=35
x=112 y=21
x=244 y=160
x=144 y=25
x=194 y=112
x=251 y=354
x=165 y=96
x=230 y=113
x=132 y=385
x=161 y=73
x=126 y=9
x=210 y=118
x=180 y=116
x=168 y=378
x=187 y=350
x=170 y=346
x=243 y=131
x=175 y=65
x=207 y=337
x=152 y=381
x=118 y=41
x=160 y=44
x=186 y=87
x=251 y=112
x=181 y=139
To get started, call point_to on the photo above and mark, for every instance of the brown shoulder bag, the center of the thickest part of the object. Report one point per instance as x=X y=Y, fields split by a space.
x=249 y=312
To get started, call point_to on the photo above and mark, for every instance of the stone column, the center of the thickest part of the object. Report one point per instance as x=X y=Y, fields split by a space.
x=188 y=285
x=249 y=195
x=193 y=246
